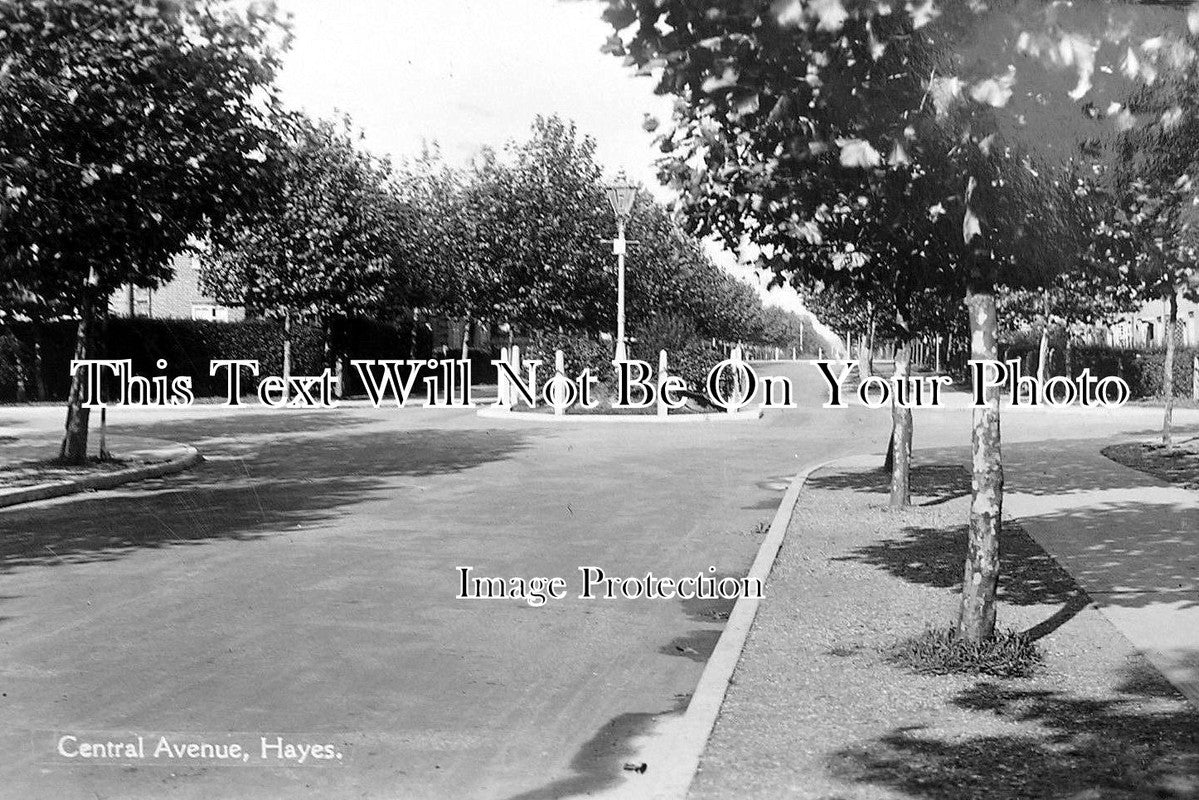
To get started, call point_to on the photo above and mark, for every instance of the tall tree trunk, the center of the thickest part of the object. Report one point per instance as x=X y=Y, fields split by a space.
x=101 y=349
x=19 y=368
x=39 y=371
x=976 y=620
x=1043 y=351
x=901 y=436
x=286 y=344
x=865 y=365
x=74 y=441
x=1171 y=300
x=466 y=338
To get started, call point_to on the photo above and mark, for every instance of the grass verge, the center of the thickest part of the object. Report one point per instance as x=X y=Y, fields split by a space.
x=941 y=651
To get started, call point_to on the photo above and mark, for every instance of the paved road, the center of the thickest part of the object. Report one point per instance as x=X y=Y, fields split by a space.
x=303 y=582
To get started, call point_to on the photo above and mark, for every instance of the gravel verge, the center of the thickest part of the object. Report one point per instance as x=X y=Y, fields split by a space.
x=813 y=710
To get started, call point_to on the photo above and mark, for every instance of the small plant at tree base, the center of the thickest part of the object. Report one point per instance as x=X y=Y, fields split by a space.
x=942 y=651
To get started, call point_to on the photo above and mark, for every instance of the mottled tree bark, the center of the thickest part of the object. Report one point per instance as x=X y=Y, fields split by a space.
x=976 y=620
x=39 y=371
x=865 y=363
x=901 y=435
x=286 y=345
x=1171 y=299
x=1043 y=351
x=74 y=441
x=466 y=326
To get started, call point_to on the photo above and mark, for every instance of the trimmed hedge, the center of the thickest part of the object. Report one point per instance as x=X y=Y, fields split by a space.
x=579 y=351
x=188 y=346
x=1142 y=369
x=691 y=362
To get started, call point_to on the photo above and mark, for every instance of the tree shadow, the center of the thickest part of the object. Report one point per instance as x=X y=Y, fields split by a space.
x=931 y=484
x=235 y=422
x=262 y=481
x=935 y=557
x=1070 y=746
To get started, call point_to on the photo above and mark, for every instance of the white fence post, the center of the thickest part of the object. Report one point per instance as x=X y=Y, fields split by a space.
x=738 y=386
x=502 y=381
x=515 y=354
x=559 y=369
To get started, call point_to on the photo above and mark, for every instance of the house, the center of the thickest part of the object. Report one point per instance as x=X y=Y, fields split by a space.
x=1145 y=328
x=178 y=298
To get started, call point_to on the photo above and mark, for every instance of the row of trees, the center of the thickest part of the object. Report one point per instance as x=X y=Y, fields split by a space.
x=132 y=131
x=893 y=157
x=518 y=238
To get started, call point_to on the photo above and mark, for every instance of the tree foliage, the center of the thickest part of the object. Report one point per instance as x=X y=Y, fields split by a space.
x=319 y=241
x=126 y=130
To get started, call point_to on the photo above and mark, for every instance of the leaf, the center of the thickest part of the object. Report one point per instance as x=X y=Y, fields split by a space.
x=788 y=13
x=725 y=80
x=830 y=14
x=858 y=153
x=1130 y=65
x=923 y=14
x=995 y=92
x=745 y=101
x=945 y=92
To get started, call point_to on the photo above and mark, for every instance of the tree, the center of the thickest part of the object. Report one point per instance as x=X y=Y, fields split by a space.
x=1152 y=194
x=1069 y=305
x=777 y=100
x=518 y=238
x=539 y=217
x=438 y=255
x=319 y=242
x=125 y=130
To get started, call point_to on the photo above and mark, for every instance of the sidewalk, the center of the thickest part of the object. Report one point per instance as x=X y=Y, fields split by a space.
x=1130 y=540
x=814 y=710
x=27 y=476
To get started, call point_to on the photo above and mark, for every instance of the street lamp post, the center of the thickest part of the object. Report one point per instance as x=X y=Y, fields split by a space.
x=621 y=195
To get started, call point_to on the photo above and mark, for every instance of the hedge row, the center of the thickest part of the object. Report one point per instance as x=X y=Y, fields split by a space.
x=187 y=346
x=691 y=362
x=1143 y=370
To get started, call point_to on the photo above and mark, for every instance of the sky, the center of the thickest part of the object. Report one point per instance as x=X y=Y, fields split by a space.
x=474 y=73
x=468 y=73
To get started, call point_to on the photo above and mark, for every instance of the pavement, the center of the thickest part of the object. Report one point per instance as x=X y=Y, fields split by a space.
x=1130 y=540
x=303 y=580
x=140 y=458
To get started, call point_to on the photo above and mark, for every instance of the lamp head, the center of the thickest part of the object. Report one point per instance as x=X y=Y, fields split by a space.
x=621 y=195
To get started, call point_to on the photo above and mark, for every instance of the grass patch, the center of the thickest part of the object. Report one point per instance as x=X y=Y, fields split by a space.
x=941 y=651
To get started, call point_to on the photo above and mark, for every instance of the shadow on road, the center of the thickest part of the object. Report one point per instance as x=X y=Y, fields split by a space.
x=1068 y=746
x=599 y=763
x=268 y=473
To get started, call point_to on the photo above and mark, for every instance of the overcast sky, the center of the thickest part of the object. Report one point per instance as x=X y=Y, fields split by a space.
x=469 y=73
